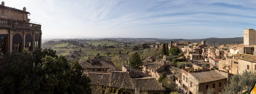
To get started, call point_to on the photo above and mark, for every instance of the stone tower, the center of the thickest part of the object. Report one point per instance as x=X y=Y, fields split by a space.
x=249 y=37
x=203 y=42
x=170 y=44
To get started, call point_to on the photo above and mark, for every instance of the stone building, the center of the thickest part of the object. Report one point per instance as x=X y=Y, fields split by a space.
x=229 y=65
x=121 y=82
x=170 y=44
x=200 y=82
x=203 y=42
x=16 y=31
x=220 y=53
x=238 y=64
x=214 y=62
x=248 y=50
x=249 y=37
x=97 y=66
x=246 y=62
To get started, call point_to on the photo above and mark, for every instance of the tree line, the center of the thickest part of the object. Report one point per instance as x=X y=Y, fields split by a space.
x=41 y=72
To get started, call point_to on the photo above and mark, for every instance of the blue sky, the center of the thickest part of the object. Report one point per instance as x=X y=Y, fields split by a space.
x=140 y=18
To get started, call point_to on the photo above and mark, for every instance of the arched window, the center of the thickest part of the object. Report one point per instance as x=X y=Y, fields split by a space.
x=28 y=42
x=17 y=43
x=37 y=41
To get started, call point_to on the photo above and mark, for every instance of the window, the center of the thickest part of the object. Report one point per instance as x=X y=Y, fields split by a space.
x=255 y=67
x=213 y=86
x=186 y=80
x=236 y=62
x=248 y=67
x=219 y=84
x=100 y=76
x=190 y=84
x=206 y=86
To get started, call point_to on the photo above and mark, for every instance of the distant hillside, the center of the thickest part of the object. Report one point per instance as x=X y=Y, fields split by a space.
x=218 y=41
x=215 y=41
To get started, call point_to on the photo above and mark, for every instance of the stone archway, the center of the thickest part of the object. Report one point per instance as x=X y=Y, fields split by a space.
x=17 y=43
x=37 y=41
x=3 y=44
x=28 y=42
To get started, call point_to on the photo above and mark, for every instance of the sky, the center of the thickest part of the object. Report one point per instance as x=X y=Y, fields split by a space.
x=188 y=19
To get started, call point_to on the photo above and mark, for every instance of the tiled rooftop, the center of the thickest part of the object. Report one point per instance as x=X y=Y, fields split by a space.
x=247 y=57
x=207 y=76
x=119 y=79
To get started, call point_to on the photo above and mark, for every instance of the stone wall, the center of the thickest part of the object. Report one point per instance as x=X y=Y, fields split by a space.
x=243 y=66
x=8 y=13
x=249 y=37
x=4 y=31
x=219 y=86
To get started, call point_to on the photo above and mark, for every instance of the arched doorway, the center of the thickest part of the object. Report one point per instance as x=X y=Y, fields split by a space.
x=3 y=44
x=28 y=42
x=37 y=41
x=17 y=43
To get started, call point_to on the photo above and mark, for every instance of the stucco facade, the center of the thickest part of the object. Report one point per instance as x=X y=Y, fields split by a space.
x=200 y=82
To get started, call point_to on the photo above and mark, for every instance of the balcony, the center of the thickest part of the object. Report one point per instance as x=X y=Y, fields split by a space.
x=12 y=24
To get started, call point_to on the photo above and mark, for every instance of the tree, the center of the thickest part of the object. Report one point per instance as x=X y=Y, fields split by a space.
x=108 y=53
x=174 y=51
x=135 y=61
x=175 y=92
x=240 y=83
x=40 y=73
x=210 y=91
x=162 y=77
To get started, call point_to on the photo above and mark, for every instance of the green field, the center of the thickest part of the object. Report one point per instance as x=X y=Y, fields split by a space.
x=117 y=52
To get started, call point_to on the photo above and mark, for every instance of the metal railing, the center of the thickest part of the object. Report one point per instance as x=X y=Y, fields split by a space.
x=12 y=24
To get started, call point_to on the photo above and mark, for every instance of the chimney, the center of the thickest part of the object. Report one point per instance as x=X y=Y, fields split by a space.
x=24 y=9
x=2 y=3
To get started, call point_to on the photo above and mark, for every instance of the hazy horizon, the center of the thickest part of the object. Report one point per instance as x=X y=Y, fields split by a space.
x=171 y=19
x=49 y=39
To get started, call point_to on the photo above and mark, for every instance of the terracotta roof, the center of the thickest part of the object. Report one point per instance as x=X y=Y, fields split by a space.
x=207 y=76
x=134 y=73
x=147 y=84
x=154 y=66
x=247 y=57
x=99 y=78
x=176 y=71
x=122 y=80
x=165 y=68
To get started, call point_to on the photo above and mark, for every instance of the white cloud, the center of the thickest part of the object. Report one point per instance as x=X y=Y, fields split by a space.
x=140 y=18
